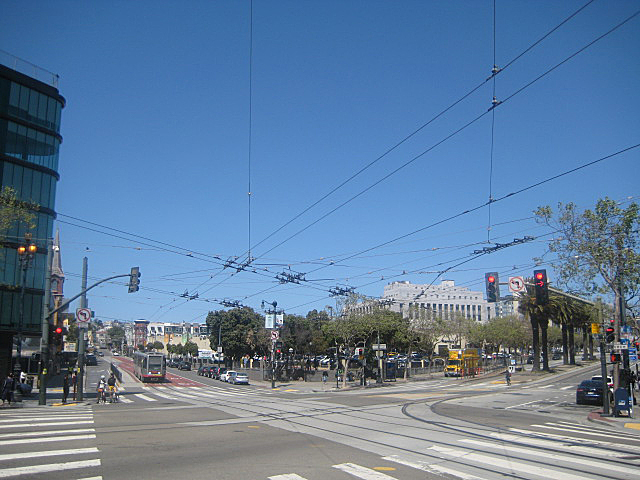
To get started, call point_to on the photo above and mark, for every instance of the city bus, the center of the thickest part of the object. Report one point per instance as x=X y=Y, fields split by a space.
x=149 y=366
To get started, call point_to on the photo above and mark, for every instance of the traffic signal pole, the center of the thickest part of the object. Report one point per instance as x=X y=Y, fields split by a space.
x=82 y=332
x=44 y=341
x=605 y=384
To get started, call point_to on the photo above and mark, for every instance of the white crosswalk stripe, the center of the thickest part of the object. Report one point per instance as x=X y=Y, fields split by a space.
x=46 y=442
x=432 y=468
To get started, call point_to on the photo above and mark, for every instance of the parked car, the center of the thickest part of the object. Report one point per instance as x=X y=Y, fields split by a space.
x=239 y=378
x=225 y=376
x=556 y=356
x=184 y=366
x=609 y=380
x=201 y=370
x=589 y=391
x=217 y=371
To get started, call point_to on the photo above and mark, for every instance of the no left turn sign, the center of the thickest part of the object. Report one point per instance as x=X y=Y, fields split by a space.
x=83 y=315
x=516 y=284
x=274 y=335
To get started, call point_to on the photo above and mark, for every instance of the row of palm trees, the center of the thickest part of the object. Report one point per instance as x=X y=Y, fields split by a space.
x=570 y=313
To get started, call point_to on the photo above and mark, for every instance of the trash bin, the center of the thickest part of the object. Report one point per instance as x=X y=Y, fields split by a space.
x=622 y=402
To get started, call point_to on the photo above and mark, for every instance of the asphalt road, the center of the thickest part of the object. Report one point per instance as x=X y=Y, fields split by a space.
x=202 y=428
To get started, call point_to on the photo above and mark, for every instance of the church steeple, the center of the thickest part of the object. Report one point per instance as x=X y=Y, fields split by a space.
x=57 y=275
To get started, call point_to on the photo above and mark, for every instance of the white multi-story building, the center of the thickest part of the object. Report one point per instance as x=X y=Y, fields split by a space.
x=445 y=300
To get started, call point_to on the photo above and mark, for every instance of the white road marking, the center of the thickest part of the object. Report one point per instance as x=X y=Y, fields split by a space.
x=431 y=468
x=29 y=419
x=565 y=458
x=567 y=387
x=620 y=446
x=521 y=404
x=287 y=476
x=49 y=453
x=46 y=433
x=99 y=477
x=539 y=442
x=362 y=472
x=144 y=397
x=508 y=465
x=51 y=467
x=80 y=422
x=585 y=431
x=46 y=439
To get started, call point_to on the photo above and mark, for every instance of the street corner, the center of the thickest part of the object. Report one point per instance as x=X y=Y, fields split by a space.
x=596 y=417
x=632 y=425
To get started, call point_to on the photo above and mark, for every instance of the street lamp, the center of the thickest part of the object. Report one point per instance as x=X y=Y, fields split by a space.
x=25 y=257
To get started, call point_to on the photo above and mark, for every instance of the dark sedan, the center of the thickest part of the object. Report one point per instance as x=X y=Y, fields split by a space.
x=589 y=391
x=184 y=366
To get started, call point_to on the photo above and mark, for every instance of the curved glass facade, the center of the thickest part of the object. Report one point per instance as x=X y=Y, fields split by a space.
x=30 y=140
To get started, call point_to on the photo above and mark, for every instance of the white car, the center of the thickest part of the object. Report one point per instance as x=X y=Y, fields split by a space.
x=609 y=380
x=116 y=354
x=225 y=376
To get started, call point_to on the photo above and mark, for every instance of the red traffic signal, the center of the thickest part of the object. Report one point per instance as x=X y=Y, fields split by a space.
x=616 y=358
x=58 y=330
x=491 y=279
x=492 y=286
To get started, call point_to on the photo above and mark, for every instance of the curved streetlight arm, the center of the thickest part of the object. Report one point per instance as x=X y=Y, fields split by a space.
x=66 y=304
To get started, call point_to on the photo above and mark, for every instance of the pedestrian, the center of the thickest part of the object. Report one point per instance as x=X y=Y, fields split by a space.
x=507 y=376
x=65 y=388
x=7 y=389
x=74 y=383
x=23 y=377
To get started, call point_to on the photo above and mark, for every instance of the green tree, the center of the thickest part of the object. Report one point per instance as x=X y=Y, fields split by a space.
x=15 y=211
x=190 y=348
x=116 y=334
x=597 y=250
x=242 y=332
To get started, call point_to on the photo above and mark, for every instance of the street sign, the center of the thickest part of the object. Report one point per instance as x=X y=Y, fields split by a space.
x=83 y=315
x=275 y=334
x=516 y=284
x=596 y=328
x=379 y=346
x=619 y=346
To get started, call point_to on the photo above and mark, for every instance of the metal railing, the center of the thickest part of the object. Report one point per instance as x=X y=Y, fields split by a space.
x=28 y=68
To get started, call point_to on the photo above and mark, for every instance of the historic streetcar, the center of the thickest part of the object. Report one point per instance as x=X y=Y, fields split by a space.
x=149 y=366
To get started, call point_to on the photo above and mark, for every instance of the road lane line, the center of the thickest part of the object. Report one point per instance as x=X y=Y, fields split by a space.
x=362 y=472
x=29 y=419
x=567 y=387
x=605 y=465
x=49 y=453
x=508 y=465
x=521 y=404
x=432 y=468
x=51 y=467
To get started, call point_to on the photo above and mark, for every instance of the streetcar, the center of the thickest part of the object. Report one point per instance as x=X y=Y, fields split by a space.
x=149 y=366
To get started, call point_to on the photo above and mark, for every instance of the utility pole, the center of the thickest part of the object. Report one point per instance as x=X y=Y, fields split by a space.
x=82 y=331
x=44 y=341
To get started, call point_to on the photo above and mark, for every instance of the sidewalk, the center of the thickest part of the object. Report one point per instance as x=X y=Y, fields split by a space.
x=616 y=422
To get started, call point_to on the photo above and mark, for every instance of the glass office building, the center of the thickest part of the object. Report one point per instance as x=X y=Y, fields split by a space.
x=30 y=139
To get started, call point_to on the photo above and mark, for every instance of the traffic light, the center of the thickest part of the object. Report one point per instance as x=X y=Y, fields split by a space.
x=134 y=279
x=616 y=358
x=493 y=286
x=542 y=286
x=610 y=333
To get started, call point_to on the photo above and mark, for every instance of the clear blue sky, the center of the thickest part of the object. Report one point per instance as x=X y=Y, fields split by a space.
x=158 y=136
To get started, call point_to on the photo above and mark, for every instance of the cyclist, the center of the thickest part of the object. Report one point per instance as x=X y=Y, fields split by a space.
x=507 y=376
x=111 y=383
x=101 y=389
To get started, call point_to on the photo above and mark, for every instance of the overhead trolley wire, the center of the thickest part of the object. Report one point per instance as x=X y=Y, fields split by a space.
x=413 y=133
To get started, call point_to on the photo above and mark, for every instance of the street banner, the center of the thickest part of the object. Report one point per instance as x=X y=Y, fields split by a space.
x=269 y=320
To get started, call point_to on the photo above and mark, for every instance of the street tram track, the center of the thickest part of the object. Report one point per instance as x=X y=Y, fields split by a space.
x=358 y=416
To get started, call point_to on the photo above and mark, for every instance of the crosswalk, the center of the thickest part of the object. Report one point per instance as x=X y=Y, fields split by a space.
x=523 y=453
x=156 y=393
x=53 y=444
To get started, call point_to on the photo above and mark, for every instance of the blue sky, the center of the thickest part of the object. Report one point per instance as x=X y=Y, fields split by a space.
x=163 y=131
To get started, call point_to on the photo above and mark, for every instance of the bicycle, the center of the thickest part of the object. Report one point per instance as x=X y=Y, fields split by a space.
x=113 y=394
x=102 y=396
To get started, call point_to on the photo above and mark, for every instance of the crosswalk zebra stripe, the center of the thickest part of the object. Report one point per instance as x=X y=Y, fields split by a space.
x=22 y=425
x=287 y=476
x=125 y=400
x=48 y=453
x=576 y=427
x=362 y=472
x=628 y=448
x=30 y=419
x=432 y=468
x=99 y=477
x=547 y=443
x=51 y=467
x=142 y=396
x=508 y=465
x=47 y=439
x=567 y=387
x=582 y=431
x=45 y=433
x=565 y=458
